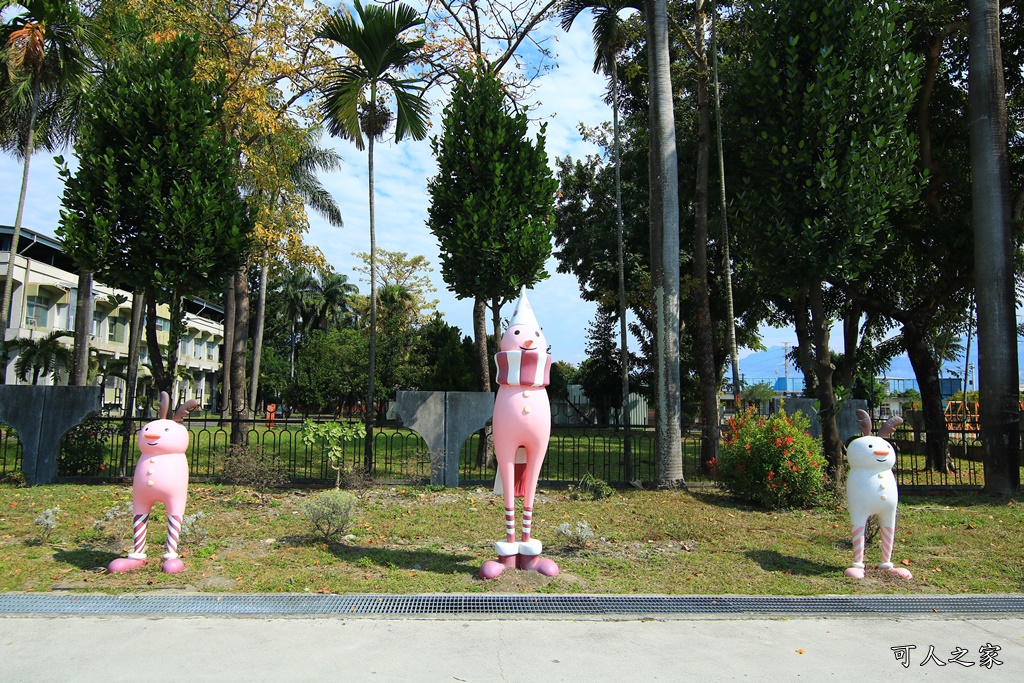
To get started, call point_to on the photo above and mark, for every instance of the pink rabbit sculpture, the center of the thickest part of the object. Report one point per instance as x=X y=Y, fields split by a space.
x=161 y=476
x=522 y=427
x=871 y=490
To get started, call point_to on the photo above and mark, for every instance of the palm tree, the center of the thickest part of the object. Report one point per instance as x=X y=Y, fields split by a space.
x=41 y=356
x=664 y=248
x=354 y=105
x=296 y=289
x=332 y=294
x=43 y=74
x=608 y=42
x=993 y=226
x=302 y=177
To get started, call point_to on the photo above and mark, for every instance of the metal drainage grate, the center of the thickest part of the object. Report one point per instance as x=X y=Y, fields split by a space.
x=37 y=603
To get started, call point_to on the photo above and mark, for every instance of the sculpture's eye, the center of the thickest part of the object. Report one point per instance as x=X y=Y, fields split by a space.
x=537 y=333
x=517 y=332
x=167 y=429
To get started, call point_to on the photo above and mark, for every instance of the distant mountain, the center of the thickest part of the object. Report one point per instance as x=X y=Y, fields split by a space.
x=770 y=364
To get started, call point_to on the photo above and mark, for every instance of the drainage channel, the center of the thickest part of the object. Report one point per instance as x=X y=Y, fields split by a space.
x=326 y=605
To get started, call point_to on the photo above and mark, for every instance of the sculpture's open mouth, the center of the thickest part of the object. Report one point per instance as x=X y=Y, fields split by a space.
x=881 y=459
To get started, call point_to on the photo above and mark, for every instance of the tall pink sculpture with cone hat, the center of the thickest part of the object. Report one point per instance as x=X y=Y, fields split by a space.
x=522 y=427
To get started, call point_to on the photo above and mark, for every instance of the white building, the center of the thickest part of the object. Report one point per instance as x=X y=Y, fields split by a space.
x=45 y=295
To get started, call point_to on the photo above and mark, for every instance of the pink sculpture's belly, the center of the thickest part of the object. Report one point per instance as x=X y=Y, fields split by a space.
x=161 y=479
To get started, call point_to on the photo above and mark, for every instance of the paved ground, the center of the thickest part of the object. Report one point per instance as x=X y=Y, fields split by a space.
x=499 y=648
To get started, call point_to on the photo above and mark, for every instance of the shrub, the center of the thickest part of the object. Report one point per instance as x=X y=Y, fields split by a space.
x=193 y=528
x=116 y=522
x=252 y=467
x=593 y=488
x=47 y=521
x=576 y=536
x=81 y=450
x=330 y=512
x=772 y=461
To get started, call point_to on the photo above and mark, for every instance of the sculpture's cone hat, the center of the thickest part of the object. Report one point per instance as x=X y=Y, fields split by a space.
x=523 y=313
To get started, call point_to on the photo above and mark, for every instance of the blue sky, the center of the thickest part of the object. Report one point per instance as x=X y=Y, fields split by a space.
x=568 y=95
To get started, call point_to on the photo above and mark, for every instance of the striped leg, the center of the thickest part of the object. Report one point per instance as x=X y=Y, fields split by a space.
x=172 y=565
x=527 y=523
x=137 y=558
x=888 y=536
x=139 y=524
x=510 y=525
x=173 y=532
x=857 y=570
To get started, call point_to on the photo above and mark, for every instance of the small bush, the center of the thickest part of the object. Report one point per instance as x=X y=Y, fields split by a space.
x=82 y=450
x=330 y=512
x=579 y=535
x=193 y=528
x=252 y=467
x=116 y=522
x=47 y=521
x=772 y=461
x=592 y=488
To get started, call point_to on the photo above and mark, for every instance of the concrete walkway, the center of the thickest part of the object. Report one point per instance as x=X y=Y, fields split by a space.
x=487 y=648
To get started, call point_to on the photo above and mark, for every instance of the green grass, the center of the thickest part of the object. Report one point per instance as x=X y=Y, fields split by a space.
x=417 y=540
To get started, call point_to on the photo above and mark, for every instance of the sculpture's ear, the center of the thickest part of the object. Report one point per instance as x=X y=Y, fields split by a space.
x=890 y=426
x=864 y=420
x=184 y=409
x=165 y=405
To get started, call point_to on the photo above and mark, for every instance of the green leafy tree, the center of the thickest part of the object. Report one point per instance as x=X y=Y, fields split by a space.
x=491 y=201
x=599 y=373
x=826 y=158
x=448 y=357
x=355 y=104
x=154 y=205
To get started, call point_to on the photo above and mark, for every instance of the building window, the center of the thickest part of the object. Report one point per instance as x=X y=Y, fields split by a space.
x=163 y=325
x=36 y=311
x=116 y=330
x=97 y=323
x=211 y=350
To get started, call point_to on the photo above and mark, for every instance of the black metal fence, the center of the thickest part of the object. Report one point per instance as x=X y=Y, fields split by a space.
x=399 y=454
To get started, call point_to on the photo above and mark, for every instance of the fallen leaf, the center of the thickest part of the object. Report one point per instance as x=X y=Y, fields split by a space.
x=800 y=651
x=906 y=562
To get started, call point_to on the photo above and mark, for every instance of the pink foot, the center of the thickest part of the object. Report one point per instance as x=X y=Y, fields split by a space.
x=492 y=569
x=855 y=572
x=173 y=566
x=124 y=564
x=902 y=573
x=538 y=564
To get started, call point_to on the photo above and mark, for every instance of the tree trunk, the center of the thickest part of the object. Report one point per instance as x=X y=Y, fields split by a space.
x=229 y=347
x=483 y=373
x=239 y=412
x=8 y=294
x=132 y=371
x=804 y=342
x=83 y=323
x=627 y=437
x=999 y=406
x=823 y=369
x=730 y=311
x=257 y=343
x=371 y=407
x=926 y=369
x=664 y=226
x=705 y=351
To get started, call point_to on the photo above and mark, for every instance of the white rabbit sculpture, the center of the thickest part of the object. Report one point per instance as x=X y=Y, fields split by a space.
x=161 y=476
x=871 y=490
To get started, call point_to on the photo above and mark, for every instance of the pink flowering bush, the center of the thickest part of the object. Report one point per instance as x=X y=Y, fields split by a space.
x=772 y=461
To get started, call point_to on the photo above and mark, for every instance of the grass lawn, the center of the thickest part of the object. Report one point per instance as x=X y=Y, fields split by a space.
x=417 y=540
